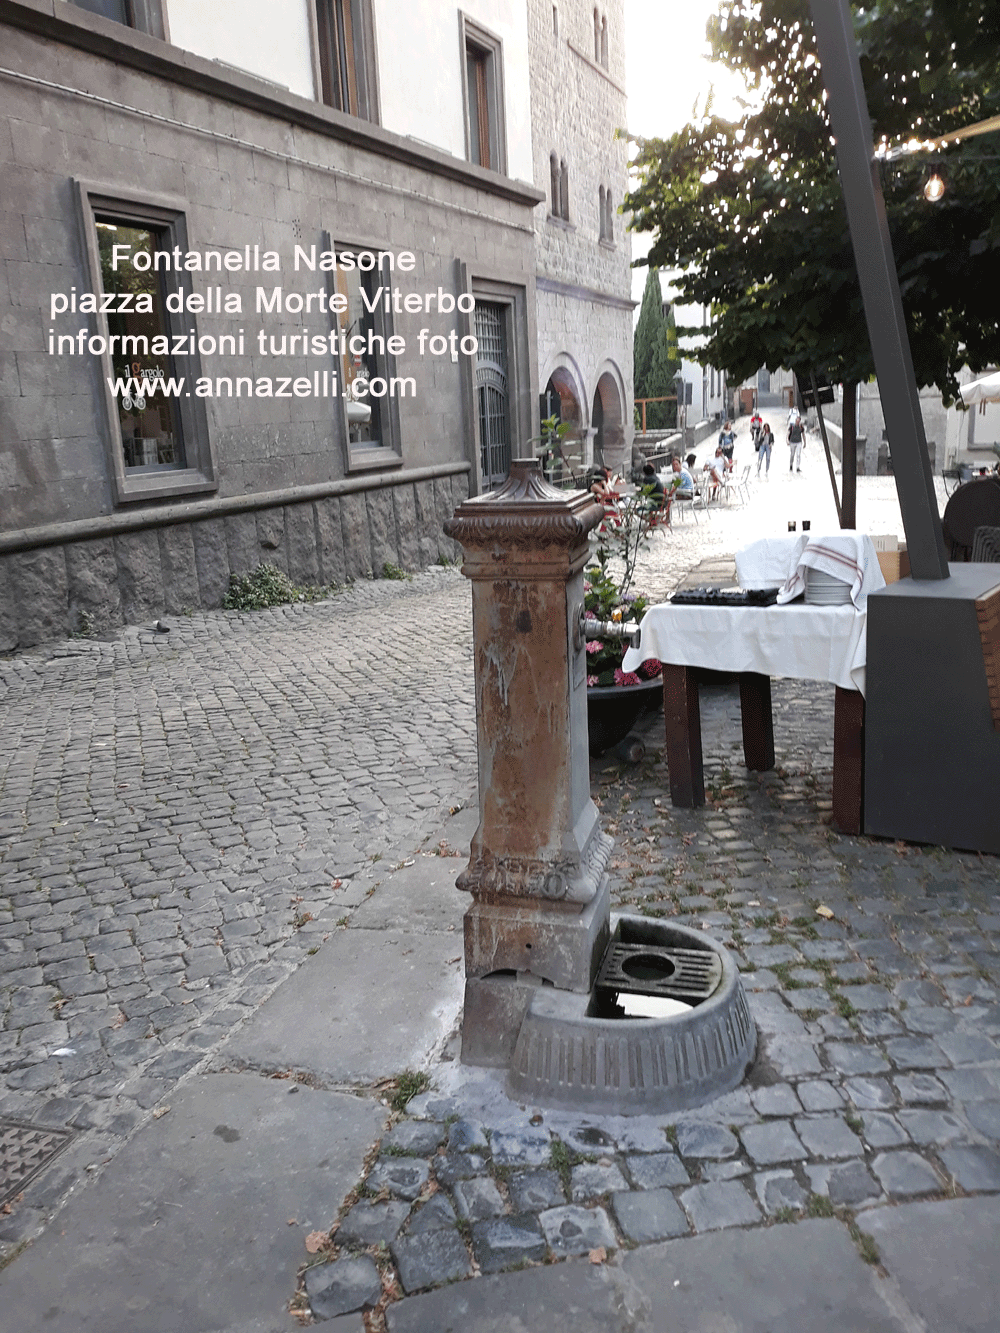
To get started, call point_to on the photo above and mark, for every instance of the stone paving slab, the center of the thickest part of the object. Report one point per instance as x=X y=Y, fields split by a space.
x=190 y=1226
x=958 y=1291
x=366 y=1006
x=776 y=1280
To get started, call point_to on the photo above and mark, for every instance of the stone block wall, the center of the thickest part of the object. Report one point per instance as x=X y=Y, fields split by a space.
x=95 y=585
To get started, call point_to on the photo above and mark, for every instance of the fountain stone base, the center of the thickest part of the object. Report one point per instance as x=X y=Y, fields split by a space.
x=572 y=1052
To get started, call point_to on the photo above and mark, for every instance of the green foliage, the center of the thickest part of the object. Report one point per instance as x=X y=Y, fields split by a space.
x=819 y=1206
x=553 y=433
x=408 y=1084
x=262 y=587
x=563 y=1159
x=391 y=571
x=86 y=627
x=867 y=1247
x=268 y=586
x=752 y=213
x=656 y=357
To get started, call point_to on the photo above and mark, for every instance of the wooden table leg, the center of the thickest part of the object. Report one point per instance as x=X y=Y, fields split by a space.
x=758 y=723
x=682 y=716
x=848 y=761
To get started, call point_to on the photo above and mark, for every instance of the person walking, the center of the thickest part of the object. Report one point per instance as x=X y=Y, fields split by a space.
x=764 y=446
x=727 y=439
x=756 y=426
x=796 y=439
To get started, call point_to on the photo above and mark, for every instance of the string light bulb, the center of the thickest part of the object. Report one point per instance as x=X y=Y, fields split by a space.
x=933 y=187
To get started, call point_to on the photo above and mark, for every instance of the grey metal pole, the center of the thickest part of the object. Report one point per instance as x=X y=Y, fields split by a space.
x=873 y=256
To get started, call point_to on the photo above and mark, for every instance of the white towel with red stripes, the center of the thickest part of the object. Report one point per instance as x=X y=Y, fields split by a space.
x=845 y=555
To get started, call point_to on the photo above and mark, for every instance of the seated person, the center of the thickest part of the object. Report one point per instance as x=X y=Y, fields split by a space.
x=716 y=470
x=653 y=486
x=601 y=485
x=681 y=479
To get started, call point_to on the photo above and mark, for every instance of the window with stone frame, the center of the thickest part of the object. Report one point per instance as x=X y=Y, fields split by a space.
x=563 y=190
x=345 y=36
x=482 y=82
x=555 y=209
x=157 y=433
x=143 y=15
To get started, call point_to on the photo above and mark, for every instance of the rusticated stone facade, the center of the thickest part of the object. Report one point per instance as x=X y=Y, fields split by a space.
x=584 y=306
x=127 y=577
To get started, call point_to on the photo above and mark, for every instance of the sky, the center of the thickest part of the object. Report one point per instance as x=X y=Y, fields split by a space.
x=668 y=70
x=667 y=61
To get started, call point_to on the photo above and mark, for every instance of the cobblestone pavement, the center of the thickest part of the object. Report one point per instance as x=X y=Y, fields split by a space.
x=878 y=1072
x=183 y=814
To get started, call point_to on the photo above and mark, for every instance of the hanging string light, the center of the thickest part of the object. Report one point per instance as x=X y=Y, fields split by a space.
x=934 y=186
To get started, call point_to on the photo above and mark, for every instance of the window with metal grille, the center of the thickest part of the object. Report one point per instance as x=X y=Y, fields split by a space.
x=493 y=392
x=345 y=35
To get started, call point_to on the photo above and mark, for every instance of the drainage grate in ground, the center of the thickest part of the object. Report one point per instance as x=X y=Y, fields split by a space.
x=24 y=1151
x=649 y=969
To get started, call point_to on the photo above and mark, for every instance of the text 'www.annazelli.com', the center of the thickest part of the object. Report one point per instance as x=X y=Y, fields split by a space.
x=320 y=384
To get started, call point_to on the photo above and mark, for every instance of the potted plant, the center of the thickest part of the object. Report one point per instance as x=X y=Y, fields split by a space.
x=615 y=697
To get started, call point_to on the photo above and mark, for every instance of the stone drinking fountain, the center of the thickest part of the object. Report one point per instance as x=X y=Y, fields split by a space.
x=626 y=1017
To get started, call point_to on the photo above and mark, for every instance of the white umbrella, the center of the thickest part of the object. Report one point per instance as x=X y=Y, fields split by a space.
x=986 y=390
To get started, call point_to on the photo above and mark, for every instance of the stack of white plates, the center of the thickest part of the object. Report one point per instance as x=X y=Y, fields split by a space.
x=824 y=590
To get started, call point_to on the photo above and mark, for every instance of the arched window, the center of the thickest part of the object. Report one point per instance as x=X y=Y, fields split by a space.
x=564 y=190
x=597 y=35
x=609 y=217
x=556 y=209
x=602 y=231
x=604 y=42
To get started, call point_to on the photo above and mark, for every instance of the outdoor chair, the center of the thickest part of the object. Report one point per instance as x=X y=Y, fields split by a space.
x=986 y=546
x=687 y=504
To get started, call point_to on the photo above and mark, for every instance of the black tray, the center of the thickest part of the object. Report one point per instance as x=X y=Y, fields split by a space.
x=725 y=597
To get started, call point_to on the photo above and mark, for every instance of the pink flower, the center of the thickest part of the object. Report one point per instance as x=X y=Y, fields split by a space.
x=594 y=645
x=626 y=677
x=592 y=680
x=651 y=667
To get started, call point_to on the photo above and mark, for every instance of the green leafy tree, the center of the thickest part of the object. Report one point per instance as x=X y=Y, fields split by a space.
x=752 y=213
x=656 y=360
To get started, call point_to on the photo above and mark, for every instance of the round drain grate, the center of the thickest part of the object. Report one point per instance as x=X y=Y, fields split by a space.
x=650 y=969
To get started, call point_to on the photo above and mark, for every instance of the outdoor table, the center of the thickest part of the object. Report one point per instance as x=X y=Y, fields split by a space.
x=755 y=643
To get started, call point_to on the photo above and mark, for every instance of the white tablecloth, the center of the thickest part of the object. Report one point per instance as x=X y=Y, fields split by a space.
x=803 y=642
